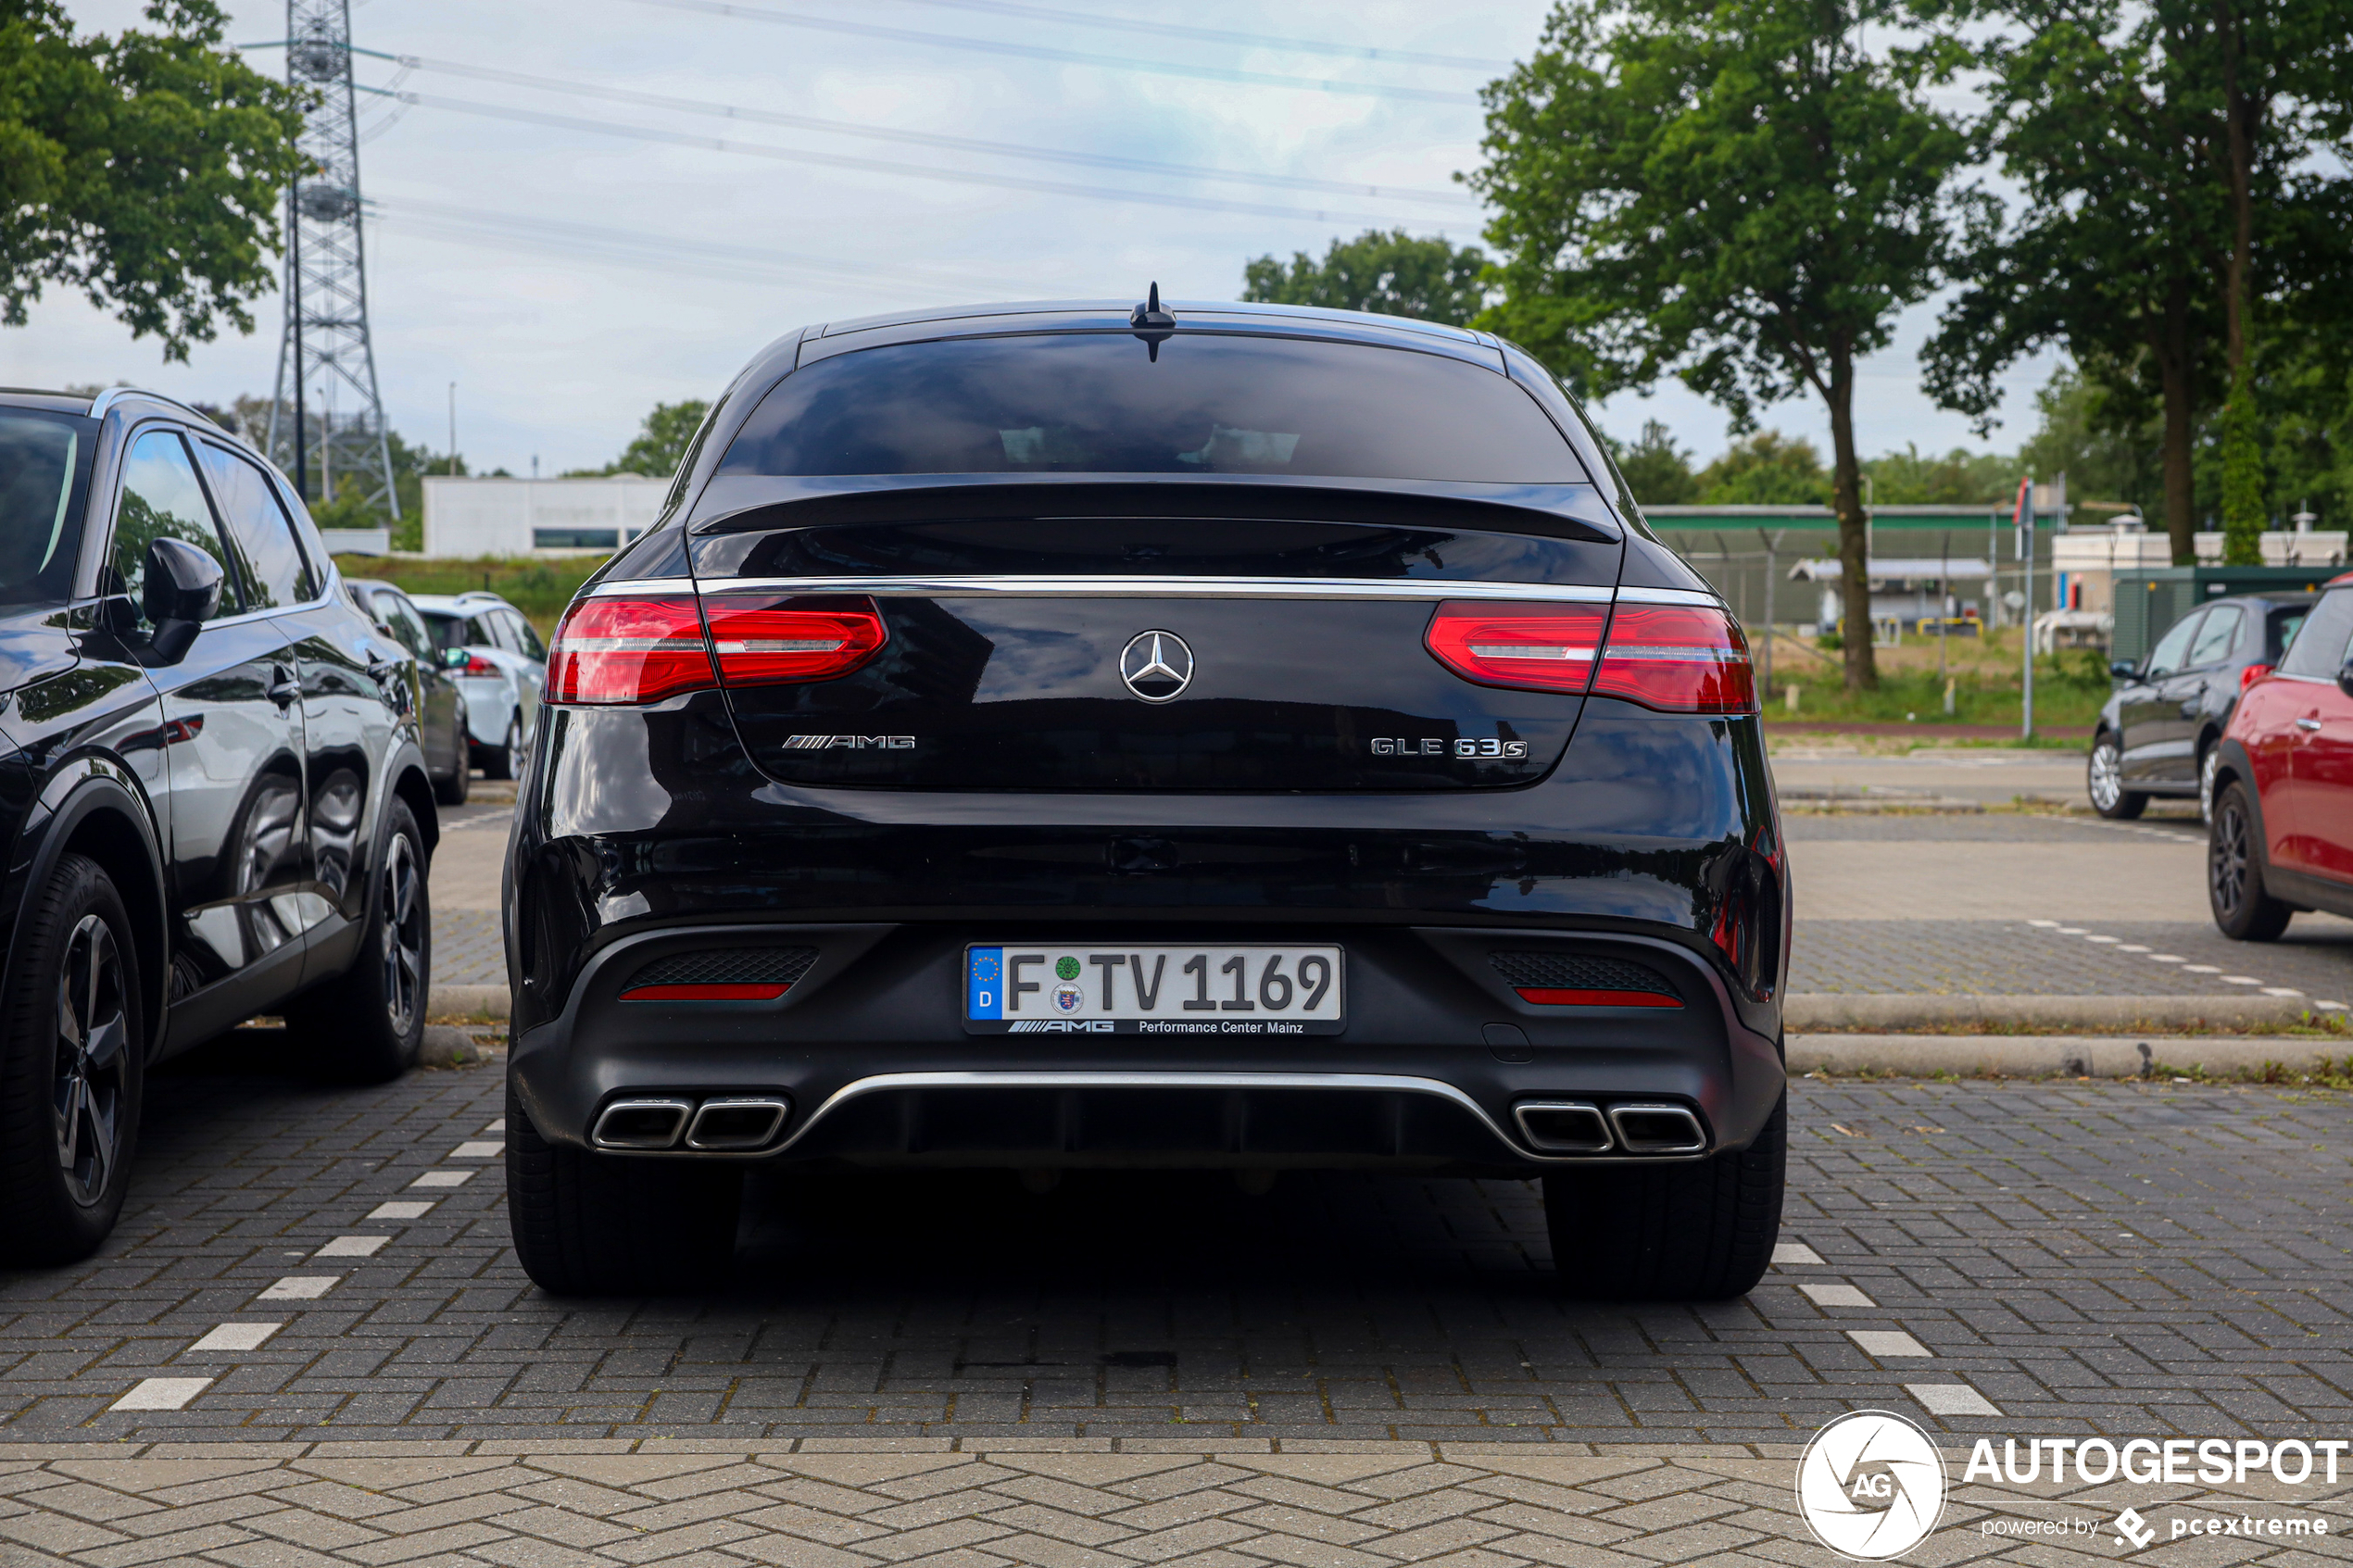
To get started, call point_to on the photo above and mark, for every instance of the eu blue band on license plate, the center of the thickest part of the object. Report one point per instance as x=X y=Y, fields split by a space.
x=1155 y=988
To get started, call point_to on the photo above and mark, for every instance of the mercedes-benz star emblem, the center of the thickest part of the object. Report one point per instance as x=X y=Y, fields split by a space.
x=1157 y=666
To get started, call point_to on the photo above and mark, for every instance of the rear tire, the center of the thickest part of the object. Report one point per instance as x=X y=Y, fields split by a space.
x=367 y=1024
x=498 y=761
x=1701 y=1231
x=609 y=1224
x=2103 y=782
x=2243 y=911
x=71 y=1069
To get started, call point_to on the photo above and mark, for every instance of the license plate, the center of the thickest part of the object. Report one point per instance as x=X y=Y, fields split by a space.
x=1043 y=988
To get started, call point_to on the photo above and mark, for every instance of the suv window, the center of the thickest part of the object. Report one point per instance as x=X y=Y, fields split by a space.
x=451 y=630
x=2216 y=635
x=526 y=640
x=162 y=499
x=2172 y=647
x=45 y=473
x=2319 y=649
x=274 y=571
x=400 y=616
x=1099 y=403
x=2285 y=623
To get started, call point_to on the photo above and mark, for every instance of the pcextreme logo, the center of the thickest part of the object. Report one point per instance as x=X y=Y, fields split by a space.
x=1870 y=1486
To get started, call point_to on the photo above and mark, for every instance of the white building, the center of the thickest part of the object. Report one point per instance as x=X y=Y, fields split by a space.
x=469 y=517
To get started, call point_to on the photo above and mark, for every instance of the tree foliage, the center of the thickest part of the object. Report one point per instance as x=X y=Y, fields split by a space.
x=660 y=444
x=1735 y=194
x=1390 y=272
x=1655 y=470
x=145 y=169
x=1765 y=468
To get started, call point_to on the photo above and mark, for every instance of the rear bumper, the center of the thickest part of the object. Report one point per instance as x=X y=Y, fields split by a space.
x=868 y=1057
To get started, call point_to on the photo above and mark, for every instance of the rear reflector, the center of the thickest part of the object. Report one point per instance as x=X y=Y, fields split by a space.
x=762 y=640
x=1677 y=658
x=1549 y=996
x=703 y=993
x=628 y=650
x=1547 y=648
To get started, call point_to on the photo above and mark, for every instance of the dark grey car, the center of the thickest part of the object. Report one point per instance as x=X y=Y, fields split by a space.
x=2158 y=731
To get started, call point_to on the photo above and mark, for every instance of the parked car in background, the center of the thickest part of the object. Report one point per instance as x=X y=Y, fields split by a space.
x=440 y=707
x=2282 y=839
x=1240 y=738
x=500 y=676
x=213 y=803
x=2160 y=731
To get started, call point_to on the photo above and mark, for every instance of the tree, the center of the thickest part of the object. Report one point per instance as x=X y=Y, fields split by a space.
x=1908 y=479
x=2107 y=443
x=145 y=169
x=1737 y=195
x=1766 y=469
x=1393 y=273
x=1656 y=471
x=660 y=445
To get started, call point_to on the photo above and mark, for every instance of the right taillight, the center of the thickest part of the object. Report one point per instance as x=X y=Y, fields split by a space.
x=2252 y=674
x=1543 y=647
x=616 y=650
x=1678 y=659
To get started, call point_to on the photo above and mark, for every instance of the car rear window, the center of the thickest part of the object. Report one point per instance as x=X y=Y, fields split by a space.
x=1101 y=403
x=45 y=478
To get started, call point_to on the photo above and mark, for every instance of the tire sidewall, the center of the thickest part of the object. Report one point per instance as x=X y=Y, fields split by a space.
x=40 y=1220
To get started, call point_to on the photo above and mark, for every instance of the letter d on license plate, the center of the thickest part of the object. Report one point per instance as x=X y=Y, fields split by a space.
x=1041 y=988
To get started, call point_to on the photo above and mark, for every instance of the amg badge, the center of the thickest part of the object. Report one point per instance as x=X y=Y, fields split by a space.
x=850 y=743
x=1511 y=750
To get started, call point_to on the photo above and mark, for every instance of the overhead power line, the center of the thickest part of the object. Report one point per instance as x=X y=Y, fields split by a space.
x=1067 y=57
x=930 y=139
x=879 y=166
x=1218 y=36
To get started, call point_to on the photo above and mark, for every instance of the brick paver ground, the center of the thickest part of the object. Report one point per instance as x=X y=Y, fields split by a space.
x=2126 y=1258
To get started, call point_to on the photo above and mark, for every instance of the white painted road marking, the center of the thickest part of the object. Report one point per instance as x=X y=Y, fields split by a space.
x=352 y=1246
x=300 y=1288
x=443 y=1179
x=237 y=1336
x=1794 y=1252
x=1887 y=1342
x=1951 y=1399
x=483 y=1150
x=403 y=1208
x=1837 y=1296
x=162 y=1393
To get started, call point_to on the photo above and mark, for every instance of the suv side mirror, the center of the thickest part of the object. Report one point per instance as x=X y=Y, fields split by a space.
x=183 y=589
x=455 y=659
x=2124 y=669
x=2344 y=678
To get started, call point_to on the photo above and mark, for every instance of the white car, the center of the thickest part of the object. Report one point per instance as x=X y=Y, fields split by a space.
x=497 y=661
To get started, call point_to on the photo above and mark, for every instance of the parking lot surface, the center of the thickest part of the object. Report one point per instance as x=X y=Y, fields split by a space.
x=2131 y=1259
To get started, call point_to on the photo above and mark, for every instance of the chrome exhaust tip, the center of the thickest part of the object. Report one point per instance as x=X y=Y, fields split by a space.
x=641 y=1123
x=1658 y=1129
x=1563 y=1126
x=736 y=1123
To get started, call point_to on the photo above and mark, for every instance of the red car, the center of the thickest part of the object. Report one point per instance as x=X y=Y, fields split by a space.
x=2282 y=839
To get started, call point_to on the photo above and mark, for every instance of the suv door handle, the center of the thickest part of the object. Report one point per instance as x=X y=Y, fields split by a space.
x=283 y=687
x=2308 y=723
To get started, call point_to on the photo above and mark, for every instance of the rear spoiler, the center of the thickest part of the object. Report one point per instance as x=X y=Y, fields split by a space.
x=745 y=503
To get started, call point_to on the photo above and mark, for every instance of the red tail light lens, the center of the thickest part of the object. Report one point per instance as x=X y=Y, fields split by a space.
x=628 y=650
x=1547 y=648
x=477 y=665
x=1678 y=660
x=764 y=641
x=2252 y=674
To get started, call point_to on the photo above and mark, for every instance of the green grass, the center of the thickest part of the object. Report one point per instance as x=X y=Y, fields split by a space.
x=538 y=588
x=2068 y=689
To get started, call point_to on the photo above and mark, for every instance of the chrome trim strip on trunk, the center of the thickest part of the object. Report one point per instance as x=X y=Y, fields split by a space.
x=1696 y=597
x=1418 y=588
x=630 y=587
x=886 y=1083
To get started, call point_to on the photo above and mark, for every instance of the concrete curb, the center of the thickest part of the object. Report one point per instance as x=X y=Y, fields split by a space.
x=1863 y=1013
x=469 y=1001
x=2047 y=1055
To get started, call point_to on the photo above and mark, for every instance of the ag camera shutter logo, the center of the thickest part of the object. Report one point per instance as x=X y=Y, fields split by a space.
x=1870 y=1486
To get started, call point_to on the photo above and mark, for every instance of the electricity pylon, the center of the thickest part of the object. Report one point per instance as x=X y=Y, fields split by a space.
x=326 y=357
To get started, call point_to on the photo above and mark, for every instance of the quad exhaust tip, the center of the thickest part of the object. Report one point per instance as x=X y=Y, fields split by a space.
x=1565 y=1126
x=723 y=1124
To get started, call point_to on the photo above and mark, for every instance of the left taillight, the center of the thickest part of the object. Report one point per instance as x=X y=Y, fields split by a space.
x=765 y=640
x=621 y=650
x=1545 y=648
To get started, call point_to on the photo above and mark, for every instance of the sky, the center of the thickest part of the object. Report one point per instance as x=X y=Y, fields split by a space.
x=571 y=257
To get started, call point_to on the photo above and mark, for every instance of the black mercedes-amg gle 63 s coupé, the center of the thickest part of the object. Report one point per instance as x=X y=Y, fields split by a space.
x=212 y=800
x=1220 y=736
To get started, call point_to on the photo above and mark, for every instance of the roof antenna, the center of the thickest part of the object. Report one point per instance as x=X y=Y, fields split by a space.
x=1151 y=324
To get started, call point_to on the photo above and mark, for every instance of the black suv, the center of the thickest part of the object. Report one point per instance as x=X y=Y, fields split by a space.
x=2159 y=733
x=1232 y=737
x=211 y=792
